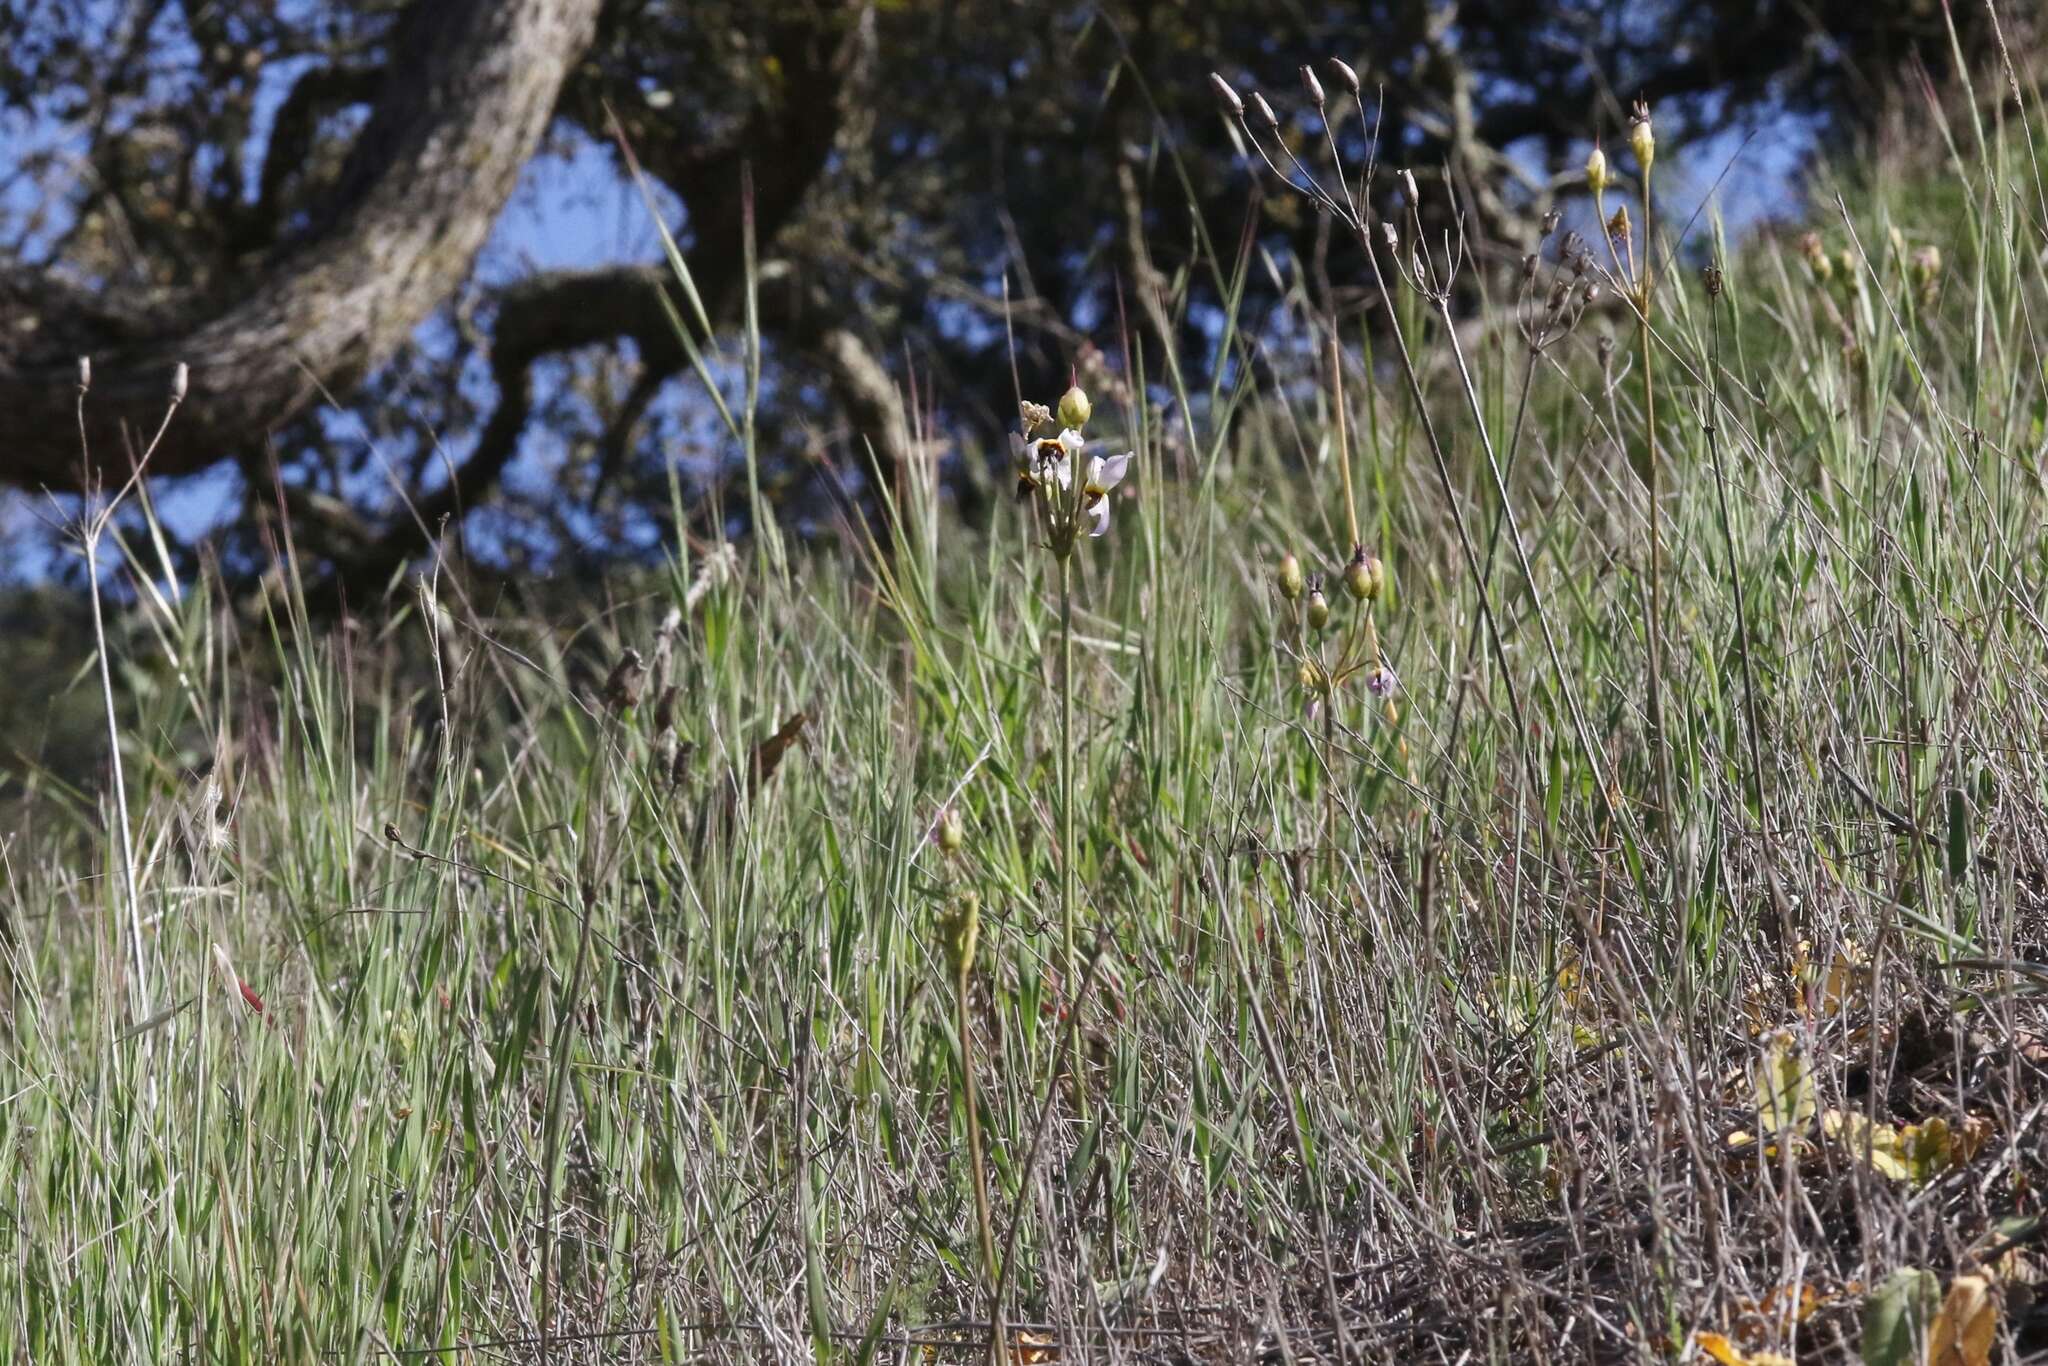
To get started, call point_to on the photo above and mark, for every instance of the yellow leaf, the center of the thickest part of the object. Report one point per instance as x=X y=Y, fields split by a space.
x=1928 y=1149
x=1879 y=1145
x=1721 y=1349
x=1966 y=1325
x=1717 y=1346
x=1783 y=1084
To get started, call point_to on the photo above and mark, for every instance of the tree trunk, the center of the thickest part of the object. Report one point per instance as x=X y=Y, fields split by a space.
x=470 y=88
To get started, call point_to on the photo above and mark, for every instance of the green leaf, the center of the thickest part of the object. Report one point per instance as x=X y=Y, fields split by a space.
x=1895 y=1317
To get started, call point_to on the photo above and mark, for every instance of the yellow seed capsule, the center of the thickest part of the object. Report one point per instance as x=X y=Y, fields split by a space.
x=1596 y=171
x=1318 y=610
x=1075 y=408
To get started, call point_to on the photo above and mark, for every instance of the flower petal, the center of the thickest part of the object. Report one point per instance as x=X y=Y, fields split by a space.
x=1099 y=517
x=1107 y=474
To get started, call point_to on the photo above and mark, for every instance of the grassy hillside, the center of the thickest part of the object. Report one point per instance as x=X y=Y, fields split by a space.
x=1634 y=941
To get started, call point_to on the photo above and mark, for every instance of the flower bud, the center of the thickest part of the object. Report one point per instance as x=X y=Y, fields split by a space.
x=1313 y=86
x=1291 y=580
x=1264 y=110
x=1641 y=140
x=1346 y=75
x=84 y=373
x=1596 y=171
x=180 y=377
x=1225 y=96
x=1318 y=609
x=1075 y=408
x=1364 y=576
x=1408 y=188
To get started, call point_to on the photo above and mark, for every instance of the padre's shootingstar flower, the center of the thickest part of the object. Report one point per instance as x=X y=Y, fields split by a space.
x=1046 y=465
x=1381 y=682
x=1101 y=476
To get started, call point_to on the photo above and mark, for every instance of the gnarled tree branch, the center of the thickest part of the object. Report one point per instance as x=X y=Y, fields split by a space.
x=470 y=88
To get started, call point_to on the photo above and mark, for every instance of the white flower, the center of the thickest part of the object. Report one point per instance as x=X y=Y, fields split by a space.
x=1047 y=458
x=1103 y=475
x=1058 y=454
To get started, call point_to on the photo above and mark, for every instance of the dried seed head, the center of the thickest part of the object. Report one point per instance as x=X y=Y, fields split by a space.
x=1712 y=278
x=1559 y=293
x=1264 y=110
x=84 y=373
x=622 y=687
x=665 y=711
x=1550 y=222
x=1346 y=75
x=1392 y=237
x=1290 y=577
x=1590 y=294
x=1617 y=227
x=1225 y=96
x=1529 y=264
x=1596 y=171
x=1569 y=249
x=1408 y=188
x=180 y=378
x=1033 y=416
x=1313 y=86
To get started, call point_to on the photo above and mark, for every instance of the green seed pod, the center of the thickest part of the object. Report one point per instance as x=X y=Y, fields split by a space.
x=1318 y=610
x=1291 y=579
x=1364 y=576
x=1075 y=408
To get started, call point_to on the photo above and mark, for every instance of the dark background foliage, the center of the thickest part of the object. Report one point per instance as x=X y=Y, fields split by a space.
x=291 y=198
